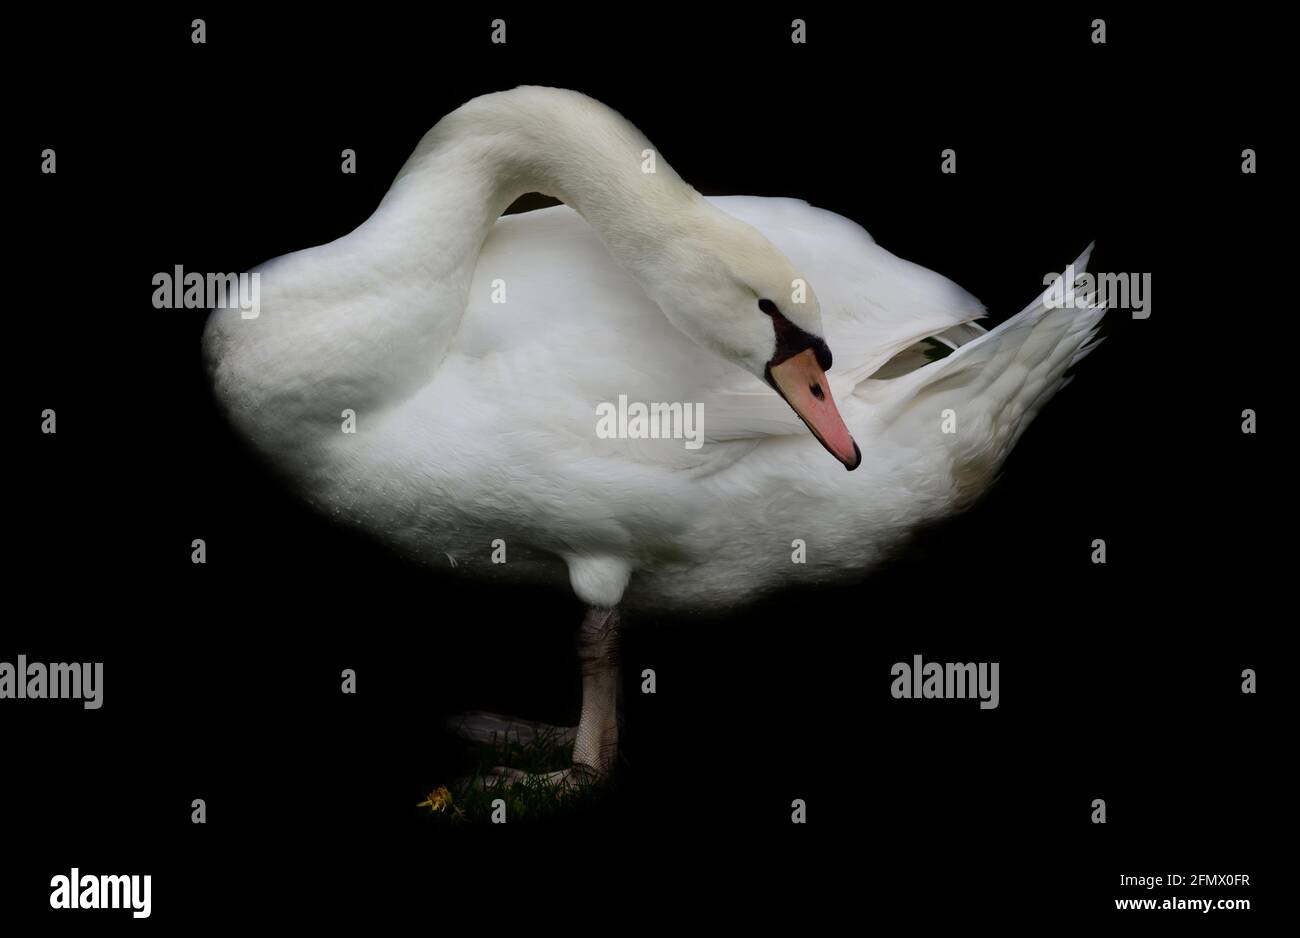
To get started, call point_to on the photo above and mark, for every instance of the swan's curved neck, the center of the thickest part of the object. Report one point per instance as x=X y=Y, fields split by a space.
x=426 y=235
x=483 y=156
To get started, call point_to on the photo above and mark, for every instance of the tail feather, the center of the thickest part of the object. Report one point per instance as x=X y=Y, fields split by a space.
x=996 y=383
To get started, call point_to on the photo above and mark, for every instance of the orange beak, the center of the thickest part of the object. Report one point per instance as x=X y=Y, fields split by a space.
x=802 y=382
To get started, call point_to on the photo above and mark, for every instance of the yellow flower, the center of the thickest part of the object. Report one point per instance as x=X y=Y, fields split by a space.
x=439 y=799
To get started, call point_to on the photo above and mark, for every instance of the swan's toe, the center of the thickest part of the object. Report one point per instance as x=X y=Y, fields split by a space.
x=481 y=726
x=576 y=776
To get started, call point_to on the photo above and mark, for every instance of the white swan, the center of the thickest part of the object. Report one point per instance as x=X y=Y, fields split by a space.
x=476 y=420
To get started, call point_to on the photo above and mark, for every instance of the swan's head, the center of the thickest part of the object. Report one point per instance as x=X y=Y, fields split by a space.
x=733 y=292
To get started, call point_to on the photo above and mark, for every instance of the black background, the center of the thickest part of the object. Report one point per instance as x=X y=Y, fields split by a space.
x=1119 y=681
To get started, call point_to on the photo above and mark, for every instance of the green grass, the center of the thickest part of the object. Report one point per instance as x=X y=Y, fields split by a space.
x=525 y=800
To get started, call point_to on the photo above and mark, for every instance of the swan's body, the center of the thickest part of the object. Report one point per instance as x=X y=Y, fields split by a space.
x=476 y=420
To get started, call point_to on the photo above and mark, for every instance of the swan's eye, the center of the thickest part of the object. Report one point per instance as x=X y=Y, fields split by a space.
x=768 y=307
